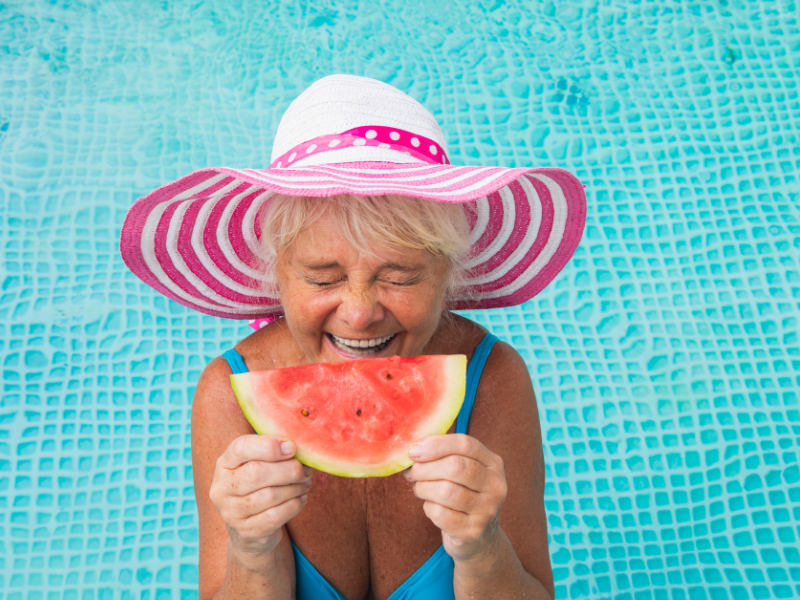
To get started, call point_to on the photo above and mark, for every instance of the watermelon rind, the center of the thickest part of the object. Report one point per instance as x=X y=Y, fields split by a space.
x=439 y=422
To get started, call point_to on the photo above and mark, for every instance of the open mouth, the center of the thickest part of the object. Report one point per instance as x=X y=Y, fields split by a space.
x=361 y=347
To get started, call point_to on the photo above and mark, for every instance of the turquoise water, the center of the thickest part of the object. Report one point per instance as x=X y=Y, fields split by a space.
x=665 y=357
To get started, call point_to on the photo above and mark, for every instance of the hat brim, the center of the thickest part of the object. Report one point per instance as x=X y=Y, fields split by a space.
x=196 y=240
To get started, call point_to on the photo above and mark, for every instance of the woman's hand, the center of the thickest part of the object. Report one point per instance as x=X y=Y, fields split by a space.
x=257 y=488
x=463 y=485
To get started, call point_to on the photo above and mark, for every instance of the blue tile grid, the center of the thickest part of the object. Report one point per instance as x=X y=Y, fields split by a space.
x=665 y=356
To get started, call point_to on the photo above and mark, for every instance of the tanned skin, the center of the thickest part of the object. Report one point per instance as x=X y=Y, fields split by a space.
x=368 y=536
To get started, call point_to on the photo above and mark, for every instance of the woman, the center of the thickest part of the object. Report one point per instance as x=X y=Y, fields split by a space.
x=362 y=236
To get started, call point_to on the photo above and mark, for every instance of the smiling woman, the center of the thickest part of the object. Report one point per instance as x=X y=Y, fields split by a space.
x=339 y=302
x=363 y=236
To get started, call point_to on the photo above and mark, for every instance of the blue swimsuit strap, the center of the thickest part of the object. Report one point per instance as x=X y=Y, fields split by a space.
x=235 y=361
x=474 y=370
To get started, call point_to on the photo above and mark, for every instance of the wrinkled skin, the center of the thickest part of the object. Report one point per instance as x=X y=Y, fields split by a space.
x=257 y=488
x=463 y=485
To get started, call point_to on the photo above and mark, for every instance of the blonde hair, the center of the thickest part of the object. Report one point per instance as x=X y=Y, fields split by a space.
x=371 y=224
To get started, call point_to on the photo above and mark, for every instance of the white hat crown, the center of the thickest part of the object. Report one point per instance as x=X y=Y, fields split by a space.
x=338 y=103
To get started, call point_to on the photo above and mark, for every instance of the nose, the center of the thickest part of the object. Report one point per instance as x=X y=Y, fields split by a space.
x=359 y=308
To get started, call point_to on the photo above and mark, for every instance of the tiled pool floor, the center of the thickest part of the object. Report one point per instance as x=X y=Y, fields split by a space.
x=665 y=357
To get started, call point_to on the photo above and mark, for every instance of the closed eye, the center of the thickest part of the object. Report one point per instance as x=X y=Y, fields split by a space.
x=401 y=275
x=401 y=282
x=324 y=282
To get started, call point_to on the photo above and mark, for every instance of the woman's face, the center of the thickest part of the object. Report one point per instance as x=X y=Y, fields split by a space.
x=341 y=305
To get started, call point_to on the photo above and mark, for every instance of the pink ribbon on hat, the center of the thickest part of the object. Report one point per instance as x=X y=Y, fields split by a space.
x=377 y=136
x=259 y=323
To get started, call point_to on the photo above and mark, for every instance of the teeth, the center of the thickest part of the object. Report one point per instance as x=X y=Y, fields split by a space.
x=361 y=343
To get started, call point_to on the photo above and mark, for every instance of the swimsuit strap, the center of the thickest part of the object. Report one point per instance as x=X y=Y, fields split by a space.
x=474 y=370
x=235 y=361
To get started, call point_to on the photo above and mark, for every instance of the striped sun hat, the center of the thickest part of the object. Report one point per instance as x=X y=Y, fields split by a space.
x=196 y=240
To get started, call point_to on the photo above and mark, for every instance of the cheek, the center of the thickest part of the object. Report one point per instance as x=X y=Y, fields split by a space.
x=308 y=309
x=419 y=310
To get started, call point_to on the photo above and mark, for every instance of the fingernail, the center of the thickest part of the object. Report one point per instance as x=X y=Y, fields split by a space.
x=287 y=448
x=307 y=471
x=407 y=474
x=415 y=451
x=304 y=498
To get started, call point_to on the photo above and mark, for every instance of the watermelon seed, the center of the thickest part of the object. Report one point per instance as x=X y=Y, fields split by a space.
x=358 y=412
x=304 y=412
x=388 y=376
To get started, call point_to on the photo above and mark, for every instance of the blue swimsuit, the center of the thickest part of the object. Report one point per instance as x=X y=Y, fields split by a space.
x=434 y=579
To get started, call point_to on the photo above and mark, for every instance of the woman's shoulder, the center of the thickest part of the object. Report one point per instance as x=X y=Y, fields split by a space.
x=217 y=418
x=268 y=347
x=258 y=350
x=457 y=335
x=505 y=380
x=460 y=335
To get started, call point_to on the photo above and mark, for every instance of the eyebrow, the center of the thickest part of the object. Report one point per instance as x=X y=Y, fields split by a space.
x=390 y=266
x=322 y=266
x=404 y=268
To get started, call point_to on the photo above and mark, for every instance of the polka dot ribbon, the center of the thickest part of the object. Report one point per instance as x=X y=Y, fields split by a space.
x=371 y=135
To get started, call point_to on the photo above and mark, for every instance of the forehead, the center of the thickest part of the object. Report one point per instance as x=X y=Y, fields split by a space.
x=322 y=243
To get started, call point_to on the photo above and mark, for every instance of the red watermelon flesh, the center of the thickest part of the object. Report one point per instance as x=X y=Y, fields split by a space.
x=355 y=418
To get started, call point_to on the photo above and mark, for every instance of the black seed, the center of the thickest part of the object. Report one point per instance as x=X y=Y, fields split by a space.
x=304 y=412
x=388 y=376
x=358 y=412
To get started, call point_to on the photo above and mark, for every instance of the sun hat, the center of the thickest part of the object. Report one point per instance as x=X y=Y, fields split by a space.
x=196 y=240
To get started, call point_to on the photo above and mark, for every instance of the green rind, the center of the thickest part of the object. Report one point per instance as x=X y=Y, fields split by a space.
x=456 y=370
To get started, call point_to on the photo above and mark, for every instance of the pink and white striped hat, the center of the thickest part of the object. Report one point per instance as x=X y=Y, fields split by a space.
x=196 y=240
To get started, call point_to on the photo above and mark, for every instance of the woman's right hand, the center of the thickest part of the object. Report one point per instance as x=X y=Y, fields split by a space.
x=257 y=488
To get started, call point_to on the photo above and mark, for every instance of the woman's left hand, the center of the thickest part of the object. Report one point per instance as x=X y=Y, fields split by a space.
x=463 y=485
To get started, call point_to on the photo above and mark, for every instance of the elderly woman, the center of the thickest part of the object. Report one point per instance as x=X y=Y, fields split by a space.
x=356 y=243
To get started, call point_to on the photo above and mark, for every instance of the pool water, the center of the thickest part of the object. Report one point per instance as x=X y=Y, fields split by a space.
x=665 y=356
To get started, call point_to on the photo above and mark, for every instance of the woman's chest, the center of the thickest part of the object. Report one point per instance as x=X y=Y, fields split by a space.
x=366 y=537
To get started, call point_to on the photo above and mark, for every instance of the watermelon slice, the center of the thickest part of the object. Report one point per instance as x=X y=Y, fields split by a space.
x=355 y=418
